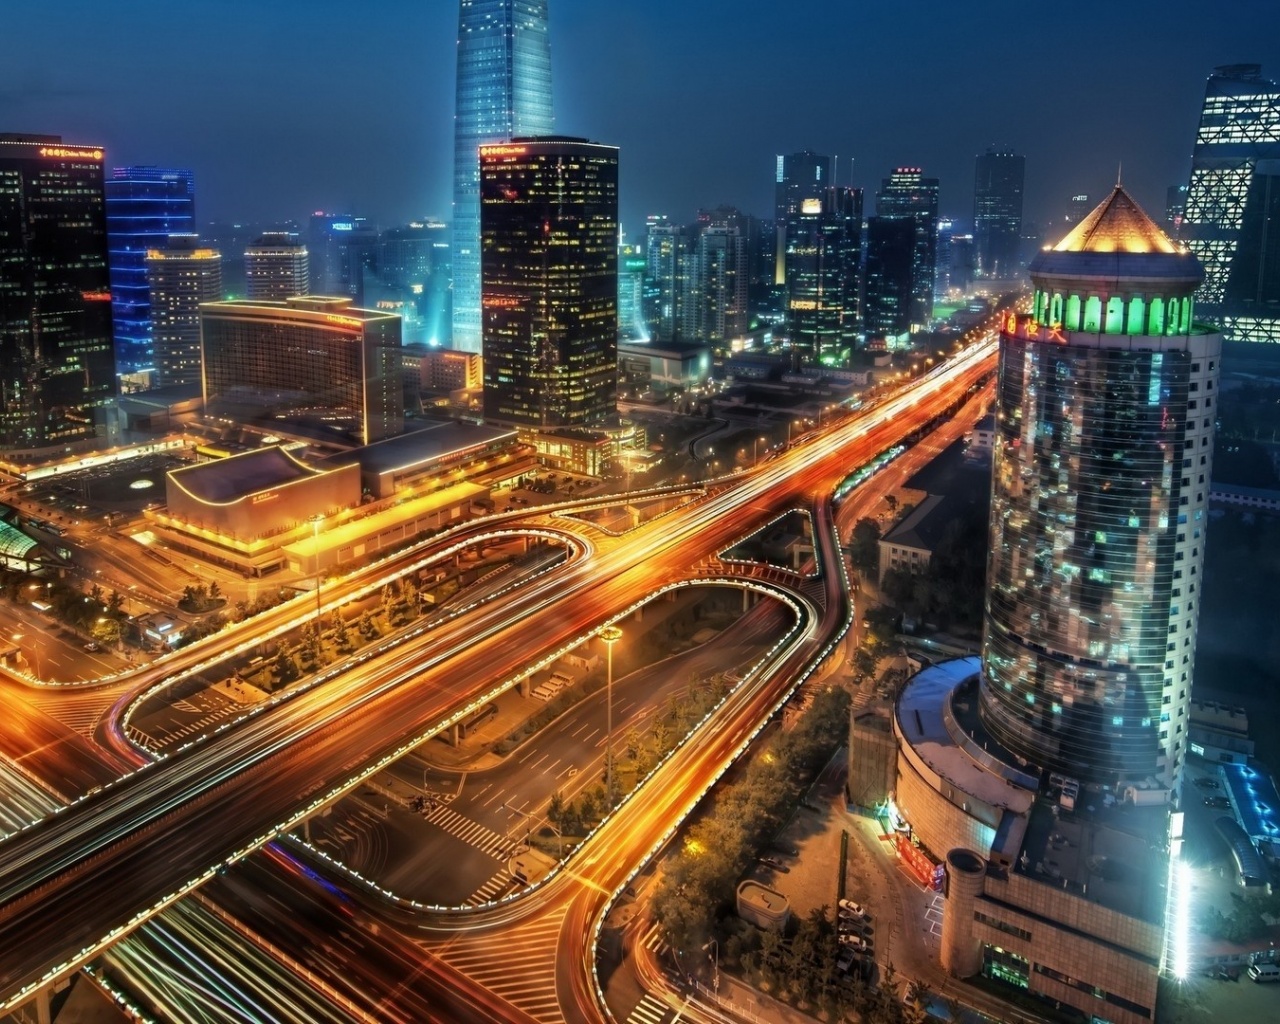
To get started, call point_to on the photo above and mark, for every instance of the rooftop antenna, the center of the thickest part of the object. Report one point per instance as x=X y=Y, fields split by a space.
x=1119 y=170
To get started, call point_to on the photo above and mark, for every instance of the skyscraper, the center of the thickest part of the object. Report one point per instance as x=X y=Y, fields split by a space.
x=720 y=277
x=908 y=195
x=997 y=211
x=180 y=277
x=824 y=248
x=1100 y=493
x=1236 y=143
x=55 y=304
x=276 y=266
x=669 y=256
x=145 y=205
x=888 y=278
x=340 y=249
x=549 y=238
x=797 y=177
x=503 y=90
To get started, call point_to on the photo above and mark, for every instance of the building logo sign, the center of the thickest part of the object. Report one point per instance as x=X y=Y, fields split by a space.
x=501 y=302
x=259 y=499
x=491 y=152
x=342 y=321
x=67 y=153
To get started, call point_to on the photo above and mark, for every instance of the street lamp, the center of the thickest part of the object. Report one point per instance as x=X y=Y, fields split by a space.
x=610 y=635
x=315 y=521
x=714 y=946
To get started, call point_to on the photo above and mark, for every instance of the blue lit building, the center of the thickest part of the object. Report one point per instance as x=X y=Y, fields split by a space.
x=145 y=205
x=503 y=90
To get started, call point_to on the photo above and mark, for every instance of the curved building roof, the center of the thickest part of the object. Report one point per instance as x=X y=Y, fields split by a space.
x=229 y=480
x=14 y=543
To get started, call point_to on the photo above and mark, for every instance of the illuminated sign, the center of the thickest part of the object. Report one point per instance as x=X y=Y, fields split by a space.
x=501 y=302
x=342 y=225
x=804 y=304
x=343 y=321
x=496 y=151
x=96 y=296
x=811 y=206
x=258 y=499
x=65 y=152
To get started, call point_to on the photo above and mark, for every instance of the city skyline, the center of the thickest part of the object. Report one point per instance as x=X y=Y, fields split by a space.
x=264 y=147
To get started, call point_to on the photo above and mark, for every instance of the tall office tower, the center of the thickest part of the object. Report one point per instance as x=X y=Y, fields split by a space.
x=276 y=267
x=145 y=205
x=888 y=279
x=503 y=90
x=1175 y=205
x=631 y=268
x=1236 y=145
x=718 y=302
x=1078 y=208
x=1100 y=498
x=55 y=300
x=997 y=211
x=409 y=255
x=549 y=239
x=669 y=257
x=961 y=262
x=311 y=360
x=908 y=194
x=341 y=249
x=824 y=246
x=180 y=277
x=797 y=177
x=942 y=263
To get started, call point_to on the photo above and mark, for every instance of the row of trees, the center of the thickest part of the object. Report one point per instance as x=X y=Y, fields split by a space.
x=699 y=882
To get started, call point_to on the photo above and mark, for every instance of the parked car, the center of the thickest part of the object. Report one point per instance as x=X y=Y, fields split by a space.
x=854 y=908
x=1217 y=801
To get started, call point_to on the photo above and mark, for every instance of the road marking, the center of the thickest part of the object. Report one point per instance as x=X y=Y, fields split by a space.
x=649 y=1011
x=552 y=766
x=538 y=762
x=587 y=737
x=496 y=885
x=482 y=838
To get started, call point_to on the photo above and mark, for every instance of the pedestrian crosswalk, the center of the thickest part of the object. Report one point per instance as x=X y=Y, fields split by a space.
x=492 y=889
x=525 y=972
x=482 y=838
x=650 y=1011
x=653 y=940
x=79 y=711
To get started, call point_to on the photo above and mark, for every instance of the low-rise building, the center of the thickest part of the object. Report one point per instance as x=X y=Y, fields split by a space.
x=910 y=544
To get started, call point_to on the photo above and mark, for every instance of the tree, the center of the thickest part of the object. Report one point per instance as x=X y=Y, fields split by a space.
x=284 y=668
x=864 y=546
x=892 y=501
x=215 y=592
x=106 y=631
x=555 y=810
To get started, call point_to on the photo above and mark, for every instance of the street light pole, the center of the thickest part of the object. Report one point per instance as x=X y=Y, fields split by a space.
x=316 y=520
x=610 y=635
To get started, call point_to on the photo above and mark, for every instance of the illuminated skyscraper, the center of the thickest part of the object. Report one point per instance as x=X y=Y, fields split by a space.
x=824 y=248
x=55 y=305
x=549 y=238
x=276 y=266
x=145 y=205
x=1105 y=414
x=1233 y=173
x=908 y=194
x=341 y=248
x=797 y=177
x=669 y=257
x=503 y=90
x=997 y=211
x=180 y=277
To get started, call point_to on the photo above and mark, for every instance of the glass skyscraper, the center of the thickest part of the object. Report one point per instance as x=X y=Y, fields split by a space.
x=1105 y=413
x=55 y=304
x=181 y=276
x=797 y=176
x=1233 y=170
x=503 y=90
x=823 y=257
x=145 y=205
x=997 y=211
x=549 y=237
x=907 y=193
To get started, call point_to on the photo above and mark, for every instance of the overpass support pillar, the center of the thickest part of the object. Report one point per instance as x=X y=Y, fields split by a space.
x=639 y=616
x=44 y=1012
x=746 y=601
x=455 y=734
x=523 y=687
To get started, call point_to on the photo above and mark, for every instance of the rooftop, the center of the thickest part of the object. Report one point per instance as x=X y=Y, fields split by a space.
x=924 y=527
x=433 y=444
x=228 y=480
x=1117 y=224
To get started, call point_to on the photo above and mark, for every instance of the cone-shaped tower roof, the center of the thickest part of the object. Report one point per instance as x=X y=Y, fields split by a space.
x=1117 y=224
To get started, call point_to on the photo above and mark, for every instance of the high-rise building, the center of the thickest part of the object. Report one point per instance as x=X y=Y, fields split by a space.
x=180 y=277
x=888 y=279
x=1237 y=143
x=1175 y=205
x=720 y=278
x=145 y=205
x=315 y=361
x=55 y=302
x=997 y=211
x=824 y=247
x=669 y=257
x=503 y=91
x=1078 y=207
x=1100 y=497
x=908 y=195
x=797 y=176
x=277 y=266
x=549 y=239
x=341 y=248
x=631 y=270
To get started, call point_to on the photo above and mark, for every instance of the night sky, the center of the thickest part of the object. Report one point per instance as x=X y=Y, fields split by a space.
x=286 y=106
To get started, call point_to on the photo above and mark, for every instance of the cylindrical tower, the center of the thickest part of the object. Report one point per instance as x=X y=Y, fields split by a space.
x=961 y=951
x=1100 y=489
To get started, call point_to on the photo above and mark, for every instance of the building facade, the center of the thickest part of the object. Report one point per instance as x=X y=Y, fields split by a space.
x=145 y=205
x=797 y=176
x=997 y=212
x=549 y=235
x=669 y=258
x=908 y=195
x=56 y=343
x=1230 y=197
x=180 y=277
x=311 y=360
x=823 y=259
x=888 y=278
x=277 y=266
x=1105 y=416
x=503 y=90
